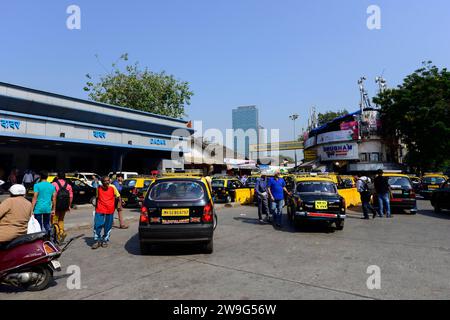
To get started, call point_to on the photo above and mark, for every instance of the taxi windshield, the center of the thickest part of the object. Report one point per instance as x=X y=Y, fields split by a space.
x=433 y=180
x=218 y=183
x=316 y=187
x=129 y=183
x=176 y=191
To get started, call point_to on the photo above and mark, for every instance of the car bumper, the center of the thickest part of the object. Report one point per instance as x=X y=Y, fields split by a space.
x=320 y=216
x=189 y=233
x=403 y=204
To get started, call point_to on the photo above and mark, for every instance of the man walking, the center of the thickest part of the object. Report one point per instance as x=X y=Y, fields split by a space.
x=364 y=191
x=383 y=194
x=118 y=183
x=28 y=180
x=104 y=212
x=263 y=198
x=276 y=189
x=64 y=198
x=44 y=200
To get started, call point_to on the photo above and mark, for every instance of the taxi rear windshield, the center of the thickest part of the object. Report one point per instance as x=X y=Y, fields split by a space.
x=177 y=191
x=399 y=182
x=316 y=187
x=433 y=180
x=218 y=183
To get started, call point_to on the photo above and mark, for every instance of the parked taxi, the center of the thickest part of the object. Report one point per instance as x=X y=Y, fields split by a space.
x=178 y=210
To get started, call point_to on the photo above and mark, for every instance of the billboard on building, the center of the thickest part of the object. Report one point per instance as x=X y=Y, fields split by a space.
x=339 y=151
x=310 y=142
x=335 y=136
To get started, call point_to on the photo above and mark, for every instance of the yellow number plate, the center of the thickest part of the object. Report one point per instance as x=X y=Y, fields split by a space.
x=175 y=213
x=433 y=187
x=321 y=205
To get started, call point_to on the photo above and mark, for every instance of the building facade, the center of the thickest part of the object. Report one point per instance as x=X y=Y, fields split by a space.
x=350 y=144
x=42 y=130
x=245 y=128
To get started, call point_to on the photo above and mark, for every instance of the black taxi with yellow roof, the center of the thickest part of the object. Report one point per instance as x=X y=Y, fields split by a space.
x=316 y=199
x=178 y=210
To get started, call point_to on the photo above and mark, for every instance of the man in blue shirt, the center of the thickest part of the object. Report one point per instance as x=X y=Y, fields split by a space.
x=276 y=189
x=263 y=198
x=118 y=183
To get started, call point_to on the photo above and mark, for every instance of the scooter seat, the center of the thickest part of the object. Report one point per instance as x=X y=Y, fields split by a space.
x=22 y=240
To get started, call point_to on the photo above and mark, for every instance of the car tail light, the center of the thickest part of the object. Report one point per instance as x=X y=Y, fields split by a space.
x=144 y=215
x=412 y=195
x=207 y=214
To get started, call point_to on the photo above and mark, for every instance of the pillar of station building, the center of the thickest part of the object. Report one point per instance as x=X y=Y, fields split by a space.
x=118 y=156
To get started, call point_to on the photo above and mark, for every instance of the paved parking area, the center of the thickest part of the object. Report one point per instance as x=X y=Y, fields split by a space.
x=253 y=261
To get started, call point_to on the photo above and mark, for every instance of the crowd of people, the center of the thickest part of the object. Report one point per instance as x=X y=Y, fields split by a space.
x=51 y=202
x=274 y=189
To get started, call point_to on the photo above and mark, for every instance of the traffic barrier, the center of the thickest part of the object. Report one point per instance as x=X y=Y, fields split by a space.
x=245 y=195
x=351 y=196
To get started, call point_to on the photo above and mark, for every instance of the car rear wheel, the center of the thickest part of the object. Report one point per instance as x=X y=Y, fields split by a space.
x=340 y=225
x=209 y=247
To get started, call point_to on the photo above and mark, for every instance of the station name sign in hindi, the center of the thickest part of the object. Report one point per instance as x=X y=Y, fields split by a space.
x=10 y=124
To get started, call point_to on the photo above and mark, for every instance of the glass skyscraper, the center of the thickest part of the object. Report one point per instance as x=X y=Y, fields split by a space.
x=246 y=119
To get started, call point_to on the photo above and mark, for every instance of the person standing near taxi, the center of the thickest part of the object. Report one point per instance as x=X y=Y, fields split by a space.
x=276 y=189
x=107 y=195
x=263 y=198
x=118 y=183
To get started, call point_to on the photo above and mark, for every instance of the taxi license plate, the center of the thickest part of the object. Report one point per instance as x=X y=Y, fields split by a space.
x=125 y=199
x=397 y=191
x=321 y=205
x=433 y=187
x=175 y=212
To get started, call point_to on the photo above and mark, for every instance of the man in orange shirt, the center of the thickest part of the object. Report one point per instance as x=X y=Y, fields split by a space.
x=104 y=212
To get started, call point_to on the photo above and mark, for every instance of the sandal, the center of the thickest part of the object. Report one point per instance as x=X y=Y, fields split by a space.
x=124 y=227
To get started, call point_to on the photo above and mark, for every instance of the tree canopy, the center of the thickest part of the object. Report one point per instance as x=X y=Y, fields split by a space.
x=418 y=112
x=328 y=116
x=141 y=89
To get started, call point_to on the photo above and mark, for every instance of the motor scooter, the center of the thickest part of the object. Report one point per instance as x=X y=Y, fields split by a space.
x=29 y=261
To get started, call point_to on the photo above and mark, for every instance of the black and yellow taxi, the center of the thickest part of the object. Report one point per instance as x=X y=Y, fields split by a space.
x=178 y=210
x=440 y=198
x=402 y=194
x=416 y=182
x=133 y=189
x=316 y=199
x=224 y=188
x=430 y=183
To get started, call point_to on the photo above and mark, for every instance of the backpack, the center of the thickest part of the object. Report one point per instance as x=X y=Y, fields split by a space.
x=62 y=198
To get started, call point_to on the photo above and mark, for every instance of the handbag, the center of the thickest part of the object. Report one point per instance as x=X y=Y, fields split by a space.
x=33 y=226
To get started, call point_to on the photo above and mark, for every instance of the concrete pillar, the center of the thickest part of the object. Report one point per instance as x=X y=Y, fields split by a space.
x=118 y=156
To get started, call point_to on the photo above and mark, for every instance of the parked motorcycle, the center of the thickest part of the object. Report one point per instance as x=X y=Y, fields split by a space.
x=29 y=261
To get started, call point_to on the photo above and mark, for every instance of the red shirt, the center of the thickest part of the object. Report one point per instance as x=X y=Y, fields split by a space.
x=106 y=200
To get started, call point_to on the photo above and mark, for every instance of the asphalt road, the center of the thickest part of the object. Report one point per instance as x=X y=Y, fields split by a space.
x=253 y=261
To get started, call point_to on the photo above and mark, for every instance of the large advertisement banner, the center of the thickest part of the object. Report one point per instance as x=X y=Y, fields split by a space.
x=335 y=136
x=339 y=151
x=310 y=142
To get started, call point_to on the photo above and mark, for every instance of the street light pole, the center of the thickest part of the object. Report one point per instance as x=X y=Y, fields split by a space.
x=294 y=117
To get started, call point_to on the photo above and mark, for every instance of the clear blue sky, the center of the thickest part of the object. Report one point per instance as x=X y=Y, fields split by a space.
x=283 y=56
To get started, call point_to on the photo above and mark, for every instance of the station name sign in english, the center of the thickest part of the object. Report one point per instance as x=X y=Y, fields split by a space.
x=341 y=151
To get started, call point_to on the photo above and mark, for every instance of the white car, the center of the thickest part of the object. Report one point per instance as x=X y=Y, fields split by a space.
x=126 y=174
x=86 y=177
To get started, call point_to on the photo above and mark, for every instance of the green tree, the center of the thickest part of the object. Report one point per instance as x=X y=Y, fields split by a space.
x=418 y=113
x=328 y=116
x=141 y=89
